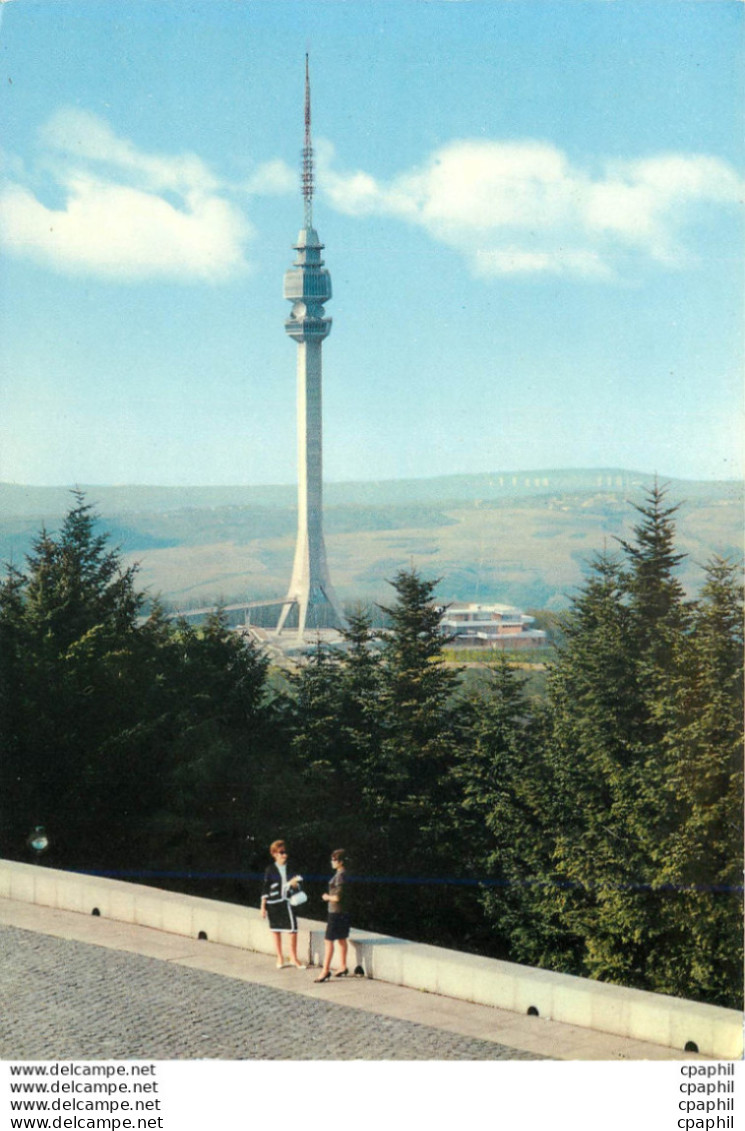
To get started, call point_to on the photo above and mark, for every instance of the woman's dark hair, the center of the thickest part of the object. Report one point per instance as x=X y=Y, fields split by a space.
x=339 y=854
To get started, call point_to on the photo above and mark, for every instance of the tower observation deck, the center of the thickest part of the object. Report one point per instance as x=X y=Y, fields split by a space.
x=307 y=286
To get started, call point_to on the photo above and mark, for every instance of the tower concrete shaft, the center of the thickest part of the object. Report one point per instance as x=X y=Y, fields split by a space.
x=308 y=287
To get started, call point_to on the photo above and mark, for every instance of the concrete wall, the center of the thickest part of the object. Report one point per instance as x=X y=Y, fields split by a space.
x=643 y=1016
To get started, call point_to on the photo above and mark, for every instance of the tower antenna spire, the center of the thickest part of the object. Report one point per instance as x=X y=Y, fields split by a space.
x=307 y=173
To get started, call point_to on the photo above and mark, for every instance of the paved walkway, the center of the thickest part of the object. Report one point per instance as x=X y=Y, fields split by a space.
x=81 y=988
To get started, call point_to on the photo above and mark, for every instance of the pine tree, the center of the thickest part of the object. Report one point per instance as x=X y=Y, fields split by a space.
x=116 y=733
x=336 y=727
x=76 y=583
x=75 y=609
x=700 y=863
x=360 y=687
x=590 y=762
x=313 y=770
x=643 y=757
x=508 y=809
x=417 y=705
x=217 y=751
x=16 y=710
x=410 y=782
x=656 y=595
x=608 y=750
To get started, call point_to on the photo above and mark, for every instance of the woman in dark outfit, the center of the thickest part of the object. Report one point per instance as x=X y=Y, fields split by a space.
x=337 y=929
x=279 y=885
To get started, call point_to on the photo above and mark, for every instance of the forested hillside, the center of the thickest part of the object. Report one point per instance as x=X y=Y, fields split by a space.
x=597 y=831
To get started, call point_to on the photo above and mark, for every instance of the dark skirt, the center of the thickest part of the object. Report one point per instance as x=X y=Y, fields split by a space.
x=338 y=926
x=282 y=917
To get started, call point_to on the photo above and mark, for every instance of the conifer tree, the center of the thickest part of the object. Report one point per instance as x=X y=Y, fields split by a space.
x=361 y=722
x=76 y=608
x=656 y=596
x=623 y=645
x=336 y=726
x=700 y=862
x=216 y=753
x=313 y=769
x=113 y=729
x=417 y=705
x=642 y=795
x=590 y=764
x=16 y=709
x=76 y=583
x=411 y=780
x=508 y=819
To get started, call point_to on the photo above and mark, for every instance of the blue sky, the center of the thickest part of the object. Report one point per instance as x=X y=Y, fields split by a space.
x=531 y=211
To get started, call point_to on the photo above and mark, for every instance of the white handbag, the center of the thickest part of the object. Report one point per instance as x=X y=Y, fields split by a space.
x=298 y=898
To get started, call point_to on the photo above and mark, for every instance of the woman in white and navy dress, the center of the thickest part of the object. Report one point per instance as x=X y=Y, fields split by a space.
x=280 y=882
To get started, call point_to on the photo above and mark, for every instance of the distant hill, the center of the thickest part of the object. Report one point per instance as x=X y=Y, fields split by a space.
x=523 y=538
x=21 y=501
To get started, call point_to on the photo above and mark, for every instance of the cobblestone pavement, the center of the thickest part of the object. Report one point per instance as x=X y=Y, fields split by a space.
x=61 y=999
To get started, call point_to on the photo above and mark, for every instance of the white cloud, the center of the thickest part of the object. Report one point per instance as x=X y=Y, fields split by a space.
x=523 y=208
x=126 y=214
x=272 y=178
x=645 y=203
x=519 y=261
x=83 y=138
x=121 y=232
x=519 y=208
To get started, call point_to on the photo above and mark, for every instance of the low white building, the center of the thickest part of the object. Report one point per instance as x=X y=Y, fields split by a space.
x=490 y=626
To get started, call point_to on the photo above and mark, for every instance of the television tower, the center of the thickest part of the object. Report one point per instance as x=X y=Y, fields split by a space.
x=308 y=287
